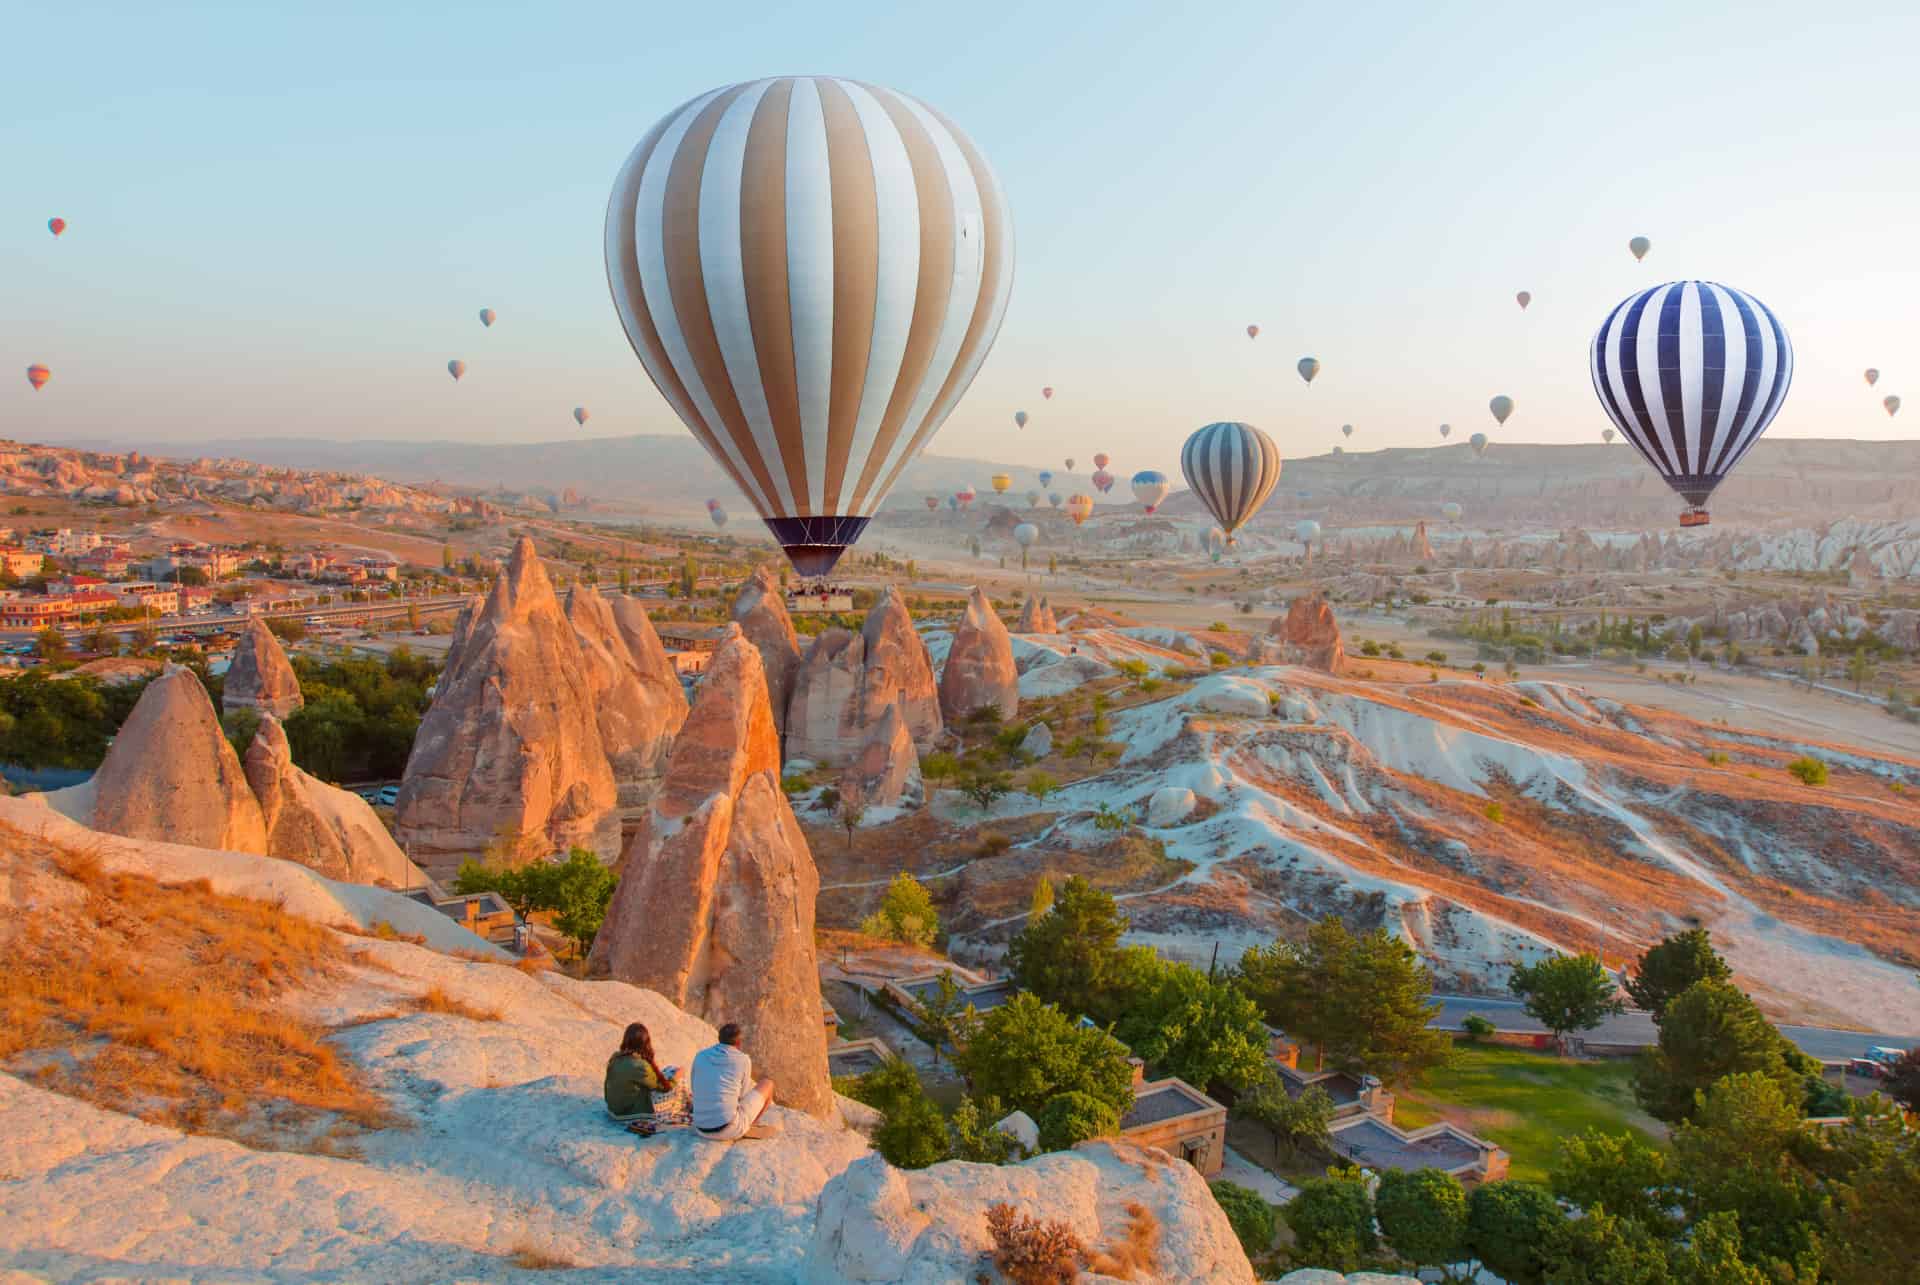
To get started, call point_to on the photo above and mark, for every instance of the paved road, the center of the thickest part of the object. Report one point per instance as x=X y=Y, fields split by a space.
x=1636 y=1027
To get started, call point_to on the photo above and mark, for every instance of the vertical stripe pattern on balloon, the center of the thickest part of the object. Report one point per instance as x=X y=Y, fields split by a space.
x=1233 y=468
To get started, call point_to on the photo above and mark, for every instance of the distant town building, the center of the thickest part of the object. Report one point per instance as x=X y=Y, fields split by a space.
x=73 y=583
x=22 y=562
x=144 y=595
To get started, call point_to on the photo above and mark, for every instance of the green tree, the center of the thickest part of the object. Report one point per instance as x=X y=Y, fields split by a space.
x=1069 y=955
x=1739 y=1154
x=1363 y=1002
x=1040 y=784
x=906 y=914
x=1509 y=1225
x=1072 y=1117
x=102 y=641
x=1713 y=1256
x=1027 y=1052
x=1615 y=1170
x=578 y=891
x=1711 y=1030
x=1423 y=1215
x=1042 y=900
x=849 y=813
x=943 y=1018
x=1903 y=1082
x=1672 y=965
x=912 y=1134
x=984 y=786
x=972 y=1136
x=1332 y=1222
x=1601 y=1249
x=1300 y=1125
x=50 y=644
x=1567 y=993
x=1248 y=1213
x=1872 y=1231
x=887 y=1086
x=1187 y=1024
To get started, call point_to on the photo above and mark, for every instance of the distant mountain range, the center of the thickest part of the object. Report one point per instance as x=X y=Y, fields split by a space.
x=1794 y=479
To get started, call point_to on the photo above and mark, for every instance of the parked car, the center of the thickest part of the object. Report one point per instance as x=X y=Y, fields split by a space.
x=1867 y=1068
x=388 y=795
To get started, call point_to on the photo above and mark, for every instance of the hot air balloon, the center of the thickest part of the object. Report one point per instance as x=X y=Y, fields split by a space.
x=1019 y=419
x=1033 y=499
x=1692 y=372
x=1102 y=459
x=1523 y=299
x=1216 y=542
x=1025 y=534
x=580 y=415
x=1046 y=477
x=1446 y=430
x=933 y=502
x=1639 y=245
x=1150 y=486
x=1339 y=451
x=718 y=514
x=1000 y=483
x=1233 y=468
x=1102 y=481
x=1308 y=368
x=1079 y=508
x=1501 y=406
x=712 y=505
x=56 y=226
x=1606 y=435
x=1873 y=377
x=38 y=375
x=965 y=495
x=1346 y=430
x=487 y=315
x=456 y=368
x=1479 y=444
x=1047 y=392
x=1253 y=332
x=953 y=503
x=811 y=270
x=1306 y=531
x=1069 y=466
x=1054 y=499
x=1891 y=403
x=1451 y=511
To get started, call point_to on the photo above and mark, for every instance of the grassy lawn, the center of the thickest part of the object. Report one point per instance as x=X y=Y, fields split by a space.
x=1527 y=1102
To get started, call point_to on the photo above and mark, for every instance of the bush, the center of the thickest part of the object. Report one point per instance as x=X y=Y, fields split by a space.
x=1332 y=1222
x=1071 y=1117
x=906 y=914
x=1219 y=659
x=1509 y=1225
x=1030 y=1252
x=1811 y=771
x=1495 y=813
x=1423 y=1215
x=1248 y=1213
x=1478 y=1027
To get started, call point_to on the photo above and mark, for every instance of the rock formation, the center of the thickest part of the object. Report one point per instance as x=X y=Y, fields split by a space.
x=898 y=671
x=847 y=682
x=823 y=712
x=886 y=772
x=979 y=668
x=761 y=612
x=1036 y=617
x=259 y=676
x=715 y=903
x=1422 y=547
x=1038 y=741
x=637 y=706
x=1307 y=635
x=510 y=752
x=171 y=775
x=329 y=830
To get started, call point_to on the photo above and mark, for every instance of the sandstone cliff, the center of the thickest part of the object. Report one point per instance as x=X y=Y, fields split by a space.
x=1307 y=635
x=329 y=830
x=761 y=612
x=715 y=903
x=637 y=705
x=260 y=676
x=886 y=771
x=979 y=669
x=1036 y=617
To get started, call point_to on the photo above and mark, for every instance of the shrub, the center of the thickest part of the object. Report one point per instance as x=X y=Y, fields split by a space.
x=1030 y=1252
x=1072 y=1117
x=1495 y=813
x=798 y=784
x=1811 y=771
x=1717 y=757
x=1477 y=1027
x=992 y=844
x=1219 y=658
x=1509 y=1225
x=1248 y=1213
x=1332 y=1222
x=939 y=766
x=1369 y=648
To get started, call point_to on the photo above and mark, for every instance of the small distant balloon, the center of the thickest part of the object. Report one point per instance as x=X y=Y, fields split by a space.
x=1102 y=481
x=1479 y=444
x=1102 y=460
x=1501 y=406
x=933 y=502
x=718 y=514
x=1308 y=368
x=1451 y=511
x=965 y=495
x=1524 y=298
x=580 y=415
x=456 y=368
x=1046 y=477
x=487 y=315
x=38 y=375
x=1047 y=392
x=56 y=226
x=1891 y=403
x=1069 y=466
x=1034 y=498
x=1000 y=483
x=1253 y=332
x=1873 y=377
x=1639 y=245
x=1150 y=487
x=1346 y=430
x=1339 y=451
x=1019 y=419
x=1054 y=499
x=1606 y=435
x=1446 y=430
x=1306 y=530
x=1080 y=508
x=1025 y=534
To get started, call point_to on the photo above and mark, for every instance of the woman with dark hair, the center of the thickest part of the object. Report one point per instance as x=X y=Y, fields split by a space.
x=633 y=1078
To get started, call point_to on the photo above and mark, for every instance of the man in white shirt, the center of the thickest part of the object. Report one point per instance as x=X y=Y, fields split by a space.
x=724 y=1108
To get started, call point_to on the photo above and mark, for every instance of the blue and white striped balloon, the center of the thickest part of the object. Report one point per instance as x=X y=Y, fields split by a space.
x=1692 y=372
x=1233 y=468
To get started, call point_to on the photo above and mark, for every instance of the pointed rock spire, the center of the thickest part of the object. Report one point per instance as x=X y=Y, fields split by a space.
x=259 y=676
x=171 y=775
x=761 y=612
x=979 y=669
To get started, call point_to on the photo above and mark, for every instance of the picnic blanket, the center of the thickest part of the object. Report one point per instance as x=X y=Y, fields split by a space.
x=674 y=1110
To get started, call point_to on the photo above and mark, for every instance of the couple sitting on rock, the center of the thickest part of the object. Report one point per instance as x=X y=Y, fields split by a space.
x=727 y=1104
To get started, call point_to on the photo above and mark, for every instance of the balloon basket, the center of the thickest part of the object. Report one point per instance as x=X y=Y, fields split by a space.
x=1694 y=517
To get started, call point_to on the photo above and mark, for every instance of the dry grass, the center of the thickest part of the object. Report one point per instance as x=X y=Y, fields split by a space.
x=437 y=1000
x=166 y=1002
x=1030 y=1252
x=530 y=1258
x=1136 y=1254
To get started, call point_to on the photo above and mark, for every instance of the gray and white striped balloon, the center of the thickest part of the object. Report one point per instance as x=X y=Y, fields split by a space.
x=1692 y=372
x=1233 y=468
x=812 y=270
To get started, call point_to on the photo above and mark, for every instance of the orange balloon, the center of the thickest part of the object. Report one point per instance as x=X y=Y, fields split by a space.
x=38 y=375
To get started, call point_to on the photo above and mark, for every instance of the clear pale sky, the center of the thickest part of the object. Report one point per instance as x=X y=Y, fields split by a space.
x=284 y=218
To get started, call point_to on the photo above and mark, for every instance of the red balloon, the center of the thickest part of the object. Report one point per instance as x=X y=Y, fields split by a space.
x=38 y=375
x=56 y=226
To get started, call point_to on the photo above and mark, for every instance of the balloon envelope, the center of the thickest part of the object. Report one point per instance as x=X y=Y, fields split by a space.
x=1308 y=368
x=1891 y=403
x=1047 y=393
x=1639 y=245
x=1451 y=511
x=1233 y=468
x=1000 y=483
x=933 y=501
x=486 y=316
x=56 y=226
x=1102 y=460
x=1446 y=430
x=580 y=415
x=1102 y=481
x=456 y=368
x=1346 y=430
x=38 y=375
x=1069 y=466
x=1523 y=298
x=812 y=271
x=1479 y=443
x=1046 y=477
x=1079 y=508
x=1054 y=499
x=1692 y=372
x=1606 y=435
x=1306 y=530
x=1025 y=534
x=1873 y=377
x=1253 y=332
x=1150 y=486
x=1019 y=419
x=718 y=514
x=1033 y=499
x=1501 y=406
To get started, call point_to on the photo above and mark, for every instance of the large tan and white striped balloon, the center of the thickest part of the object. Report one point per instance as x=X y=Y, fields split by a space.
x=812 y=270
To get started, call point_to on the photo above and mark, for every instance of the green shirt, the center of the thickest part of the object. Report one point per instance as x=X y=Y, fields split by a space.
x=631 y=1085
